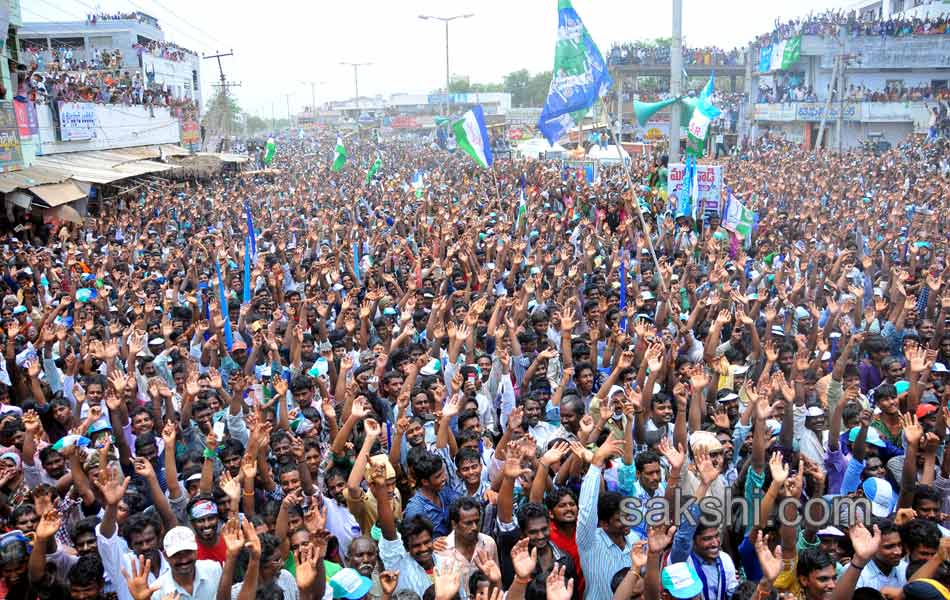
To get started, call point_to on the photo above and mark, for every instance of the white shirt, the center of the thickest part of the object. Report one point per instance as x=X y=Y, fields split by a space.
x=341 y=522
x=872 y=576
x=285 y=581
x=205 y=587
x=116 y=556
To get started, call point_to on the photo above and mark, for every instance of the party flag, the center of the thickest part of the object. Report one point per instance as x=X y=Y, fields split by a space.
x=472 y=136
x=247 y=271
x=269 y=151
x=372 y=170
x=580 y=76
x=339 y=155
x=223 y=299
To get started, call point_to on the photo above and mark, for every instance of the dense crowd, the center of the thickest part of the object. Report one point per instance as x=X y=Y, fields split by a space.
x=836 y=23
x=637 y=53
x=94 y=18
x=423 y=391
x=784 y=89
x=102 y=87
x=165 y=50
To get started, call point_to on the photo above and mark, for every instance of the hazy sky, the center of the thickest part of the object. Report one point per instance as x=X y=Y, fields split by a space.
x=279 y=44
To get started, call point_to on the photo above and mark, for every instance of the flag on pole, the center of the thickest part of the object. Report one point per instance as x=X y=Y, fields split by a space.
x=372 y=170
x=269 y=151
x=250 y=230
x=246 y=296
x=703 y=115
x=623 y=291
x=471 y=135
x=418 y=182
x=738 y=218
x=579 y=79
x=339 y=155
x=522 y=205
x=223 y=299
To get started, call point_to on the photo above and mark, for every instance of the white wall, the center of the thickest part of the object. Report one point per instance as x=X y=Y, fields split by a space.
x=177 y=75
x=116 y=127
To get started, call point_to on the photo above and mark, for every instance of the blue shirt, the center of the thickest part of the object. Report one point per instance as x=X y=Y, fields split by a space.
x=598 y=553
x=437 y=515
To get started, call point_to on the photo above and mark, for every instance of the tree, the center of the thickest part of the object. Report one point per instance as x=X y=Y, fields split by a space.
x=516 y=83
x=256 y=124
x=221 y=117
x=538 y=89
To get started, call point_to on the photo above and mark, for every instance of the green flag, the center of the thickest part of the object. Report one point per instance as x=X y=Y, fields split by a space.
x=269 y=151
x=791 y=52
x=339 y=155
x=372 y=171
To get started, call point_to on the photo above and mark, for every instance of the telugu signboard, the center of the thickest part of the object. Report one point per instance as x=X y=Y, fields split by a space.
x=77 y=121
x=706 y=188
x=11 y=156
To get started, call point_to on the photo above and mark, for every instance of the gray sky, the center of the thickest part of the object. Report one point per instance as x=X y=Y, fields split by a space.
x=279 y=44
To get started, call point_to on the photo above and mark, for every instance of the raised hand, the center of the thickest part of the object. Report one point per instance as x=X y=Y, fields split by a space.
x=675 y=456
x=388 y=580
x=111 y=485
x=523 y=560
x=865 y=543
x=49 y=524
x=447 y=578
x=659 y=538
x=779 y=468
x=557 y=588
x=233 y=536
x=771 y=566
x=137 y=581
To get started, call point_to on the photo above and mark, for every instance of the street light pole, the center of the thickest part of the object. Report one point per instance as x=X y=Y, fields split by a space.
x=676 y=78
x=446 y=21
x=313 y=93
x=356 y=82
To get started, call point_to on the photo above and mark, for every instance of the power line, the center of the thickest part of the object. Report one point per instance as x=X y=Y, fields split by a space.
x=189 y=23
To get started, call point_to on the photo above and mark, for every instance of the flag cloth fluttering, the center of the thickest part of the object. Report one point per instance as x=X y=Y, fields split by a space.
x=471 y=135
x=223 y=299
x=269 y=151
x=737 y=217
x=246 y=296
x=699 y=123
x=339 y=155
x=579 y=79
x=372 y=170
x=250 y=230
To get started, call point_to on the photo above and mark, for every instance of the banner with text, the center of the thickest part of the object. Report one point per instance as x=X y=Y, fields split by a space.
x=77 y=121
x=706 y=187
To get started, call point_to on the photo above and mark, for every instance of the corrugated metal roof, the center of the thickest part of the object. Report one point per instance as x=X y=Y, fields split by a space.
x=94 y=166
x=55 y=194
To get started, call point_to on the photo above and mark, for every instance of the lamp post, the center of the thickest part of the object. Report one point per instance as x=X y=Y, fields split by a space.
x=356 y=82
x=446 y=20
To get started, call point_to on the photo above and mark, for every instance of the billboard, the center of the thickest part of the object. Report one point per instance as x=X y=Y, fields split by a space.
x=11 y=156
x=77 y=121
x=705 y=189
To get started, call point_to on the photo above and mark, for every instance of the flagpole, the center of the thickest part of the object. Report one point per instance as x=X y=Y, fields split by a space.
x=636 y=205
x=495 y=179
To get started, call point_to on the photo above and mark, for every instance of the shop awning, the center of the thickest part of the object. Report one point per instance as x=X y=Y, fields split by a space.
x=56 y=194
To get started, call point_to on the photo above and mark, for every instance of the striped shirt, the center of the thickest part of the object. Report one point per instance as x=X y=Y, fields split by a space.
x=600 y=556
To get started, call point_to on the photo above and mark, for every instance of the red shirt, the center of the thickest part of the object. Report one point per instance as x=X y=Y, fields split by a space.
x=218 y=551
x=568 y=544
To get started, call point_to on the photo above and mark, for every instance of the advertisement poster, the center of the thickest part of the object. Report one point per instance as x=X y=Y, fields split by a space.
x=11 y=156
x=20 y=110
x=77 y=121
x=706 y=188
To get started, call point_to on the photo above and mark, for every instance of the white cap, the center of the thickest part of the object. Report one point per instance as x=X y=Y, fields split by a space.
x=939 y=368
x=179 y=539
x=831 y=531
x=815 y=411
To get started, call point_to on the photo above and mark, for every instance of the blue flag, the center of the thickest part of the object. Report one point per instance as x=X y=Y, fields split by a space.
x=223 y=298
x=623 y=291
x=579 y=79
x=250 y=229
x=247 y=270
x=356 y=259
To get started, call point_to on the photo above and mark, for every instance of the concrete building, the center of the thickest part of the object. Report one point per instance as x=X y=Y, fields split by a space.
x=139 y=39
x=886 y=80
